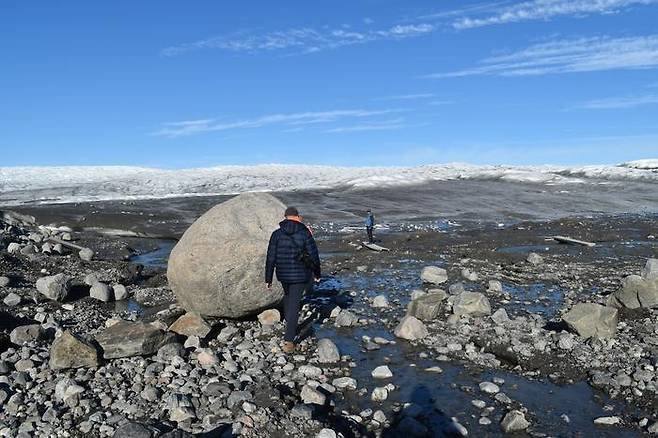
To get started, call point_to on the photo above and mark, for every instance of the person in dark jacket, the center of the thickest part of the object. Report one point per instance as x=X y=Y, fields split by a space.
x=293 y=254
x=370 y=225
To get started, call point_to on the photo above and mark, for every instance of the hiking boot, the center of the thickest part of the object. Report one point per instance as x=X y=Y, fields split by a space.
x=288 y=347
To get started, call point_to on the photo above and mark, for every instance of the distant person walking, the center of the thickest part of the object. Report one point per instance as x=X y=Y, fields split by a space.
x=293 y=254
x=370 y=225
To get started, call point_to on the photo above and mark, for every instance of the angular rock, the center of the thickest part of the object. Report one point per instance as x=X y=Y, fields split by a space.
x=411 y=329
x=495 y=286
x=427 y=307
x=54 y=287
x=635 y=292
x=434 y=275
x=14 y=248
x=4 y=281
x=345 y=383
x=514 y=421
x=101 y=292
x=535 y=259
x=86 y=254
x=191 y=324
x=120 y=292
x=471 y=303
x=216 y=268
x=135 y=430
x=379 y=394
x=328 y=351
x=346 y=319
x=650 y=271
x=70 y=351
x=592 y=320
x=126 y=339
x=380 y=301
x=469 y=275
x=382 y=372
x=25 y=334
x=12 y=300
x=500 y=316
x=269 y=317
x=312 y=396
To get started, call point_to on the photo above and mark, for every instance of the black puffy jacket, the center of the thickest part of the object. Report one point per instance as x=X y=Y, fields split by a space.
x=282 y=254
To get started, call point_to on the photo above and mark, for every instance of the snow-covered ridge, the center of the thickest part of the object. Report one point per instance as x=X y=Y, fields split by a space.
x=19 y=185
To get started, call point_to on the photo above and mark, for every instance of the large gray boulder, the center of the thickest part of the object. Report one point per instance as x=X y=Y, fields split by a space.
x=427 y=307
x=54 y=287
x=635 y=292
x=592 y=320
x=471 y=303
x=217 y=268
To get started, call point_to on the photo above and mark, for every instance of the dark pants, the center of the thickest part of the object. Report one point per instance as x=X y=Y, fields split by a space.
x=369 y=231
x=292 y=299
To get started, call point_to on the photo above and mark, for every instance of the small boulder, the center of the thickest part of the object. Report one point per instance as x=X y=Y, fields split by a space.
x=469 y=275
x=500 y=316
x=191 y=324
x=514 y=421
x=411 y=329
x=535 y=259
x=650 y=271
x=86 y=254
x=135 y=430
x=382 y=372
x=4 y=281
x=434 y=275
x=120 y=292
x=70 y=351
x=12 y=300
x=328 y=351
x=427 y=307
x=54 y=287
x=126 y=339
x=101 y=292
x=380 y=301
x=25 y=334
x=14 y=248
x=269 y=317
x=311 y=395
x=471 y=303
x=346 y=319
x=495 y=286
x=592 y=320
x=635 y=292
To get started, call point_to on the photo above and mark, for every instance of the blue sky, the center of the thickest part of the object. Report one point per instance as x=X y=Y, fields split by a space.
x=370 y=82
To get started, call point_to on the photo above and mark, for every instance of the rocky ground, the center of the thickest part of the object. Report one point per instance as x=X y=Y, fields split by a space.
x=455 y=331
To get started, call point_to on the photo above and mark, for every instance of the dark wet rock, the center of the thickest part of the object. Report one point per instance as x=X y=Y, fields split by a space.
x=592 y=320
x=71 y=351
x=26 y=334
x=54 y=287
x=135 y=430
x=168 y=351
x=191 y=324
x=433 y=275
x=216 y=267
x=411 y=328
x=427 y=307
x=471 y=303
x=125 y=339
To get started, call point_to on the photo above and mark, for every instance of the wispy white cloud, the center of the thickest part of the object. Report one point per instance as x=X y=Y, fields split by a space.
x=545 y=10
x=569 y=56
x=408 y=96
x=191 y=127
x=381 y=125
x=300 y=40
x=619 y=102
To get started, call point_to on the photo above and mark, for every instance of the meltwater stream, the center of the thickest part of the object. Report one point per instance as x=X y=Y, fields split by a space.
x=554 y=410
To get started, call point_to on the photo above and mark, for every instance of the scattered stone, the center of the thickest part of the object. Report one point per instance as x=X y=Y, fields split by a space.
x=514 y=421
x=120 y=292
x=311 y=395
x=269 y=317
x=345 y=383
x=12 y=300
x=471 y=303
x=380 y=301
x=500 y=317
x=592 y=320
x=4 y=281
x=328 y=351
x=434 y=275
x=607 y=421
x=326 y=433
x=54 y=287
x=86 y=254
x=70 y=351
x=489 y=388
x=535 y=259
x=411 y=328
x=215 y=269
x=346 y=319
x=427 y=307
x=191 y=324
x=650 y=271
x=379 y=394
x=101 y=292
x=126 y=339
x=382 y=372
x=495 y=286
x=635 y=292
x=469 y=275
x=26 y=334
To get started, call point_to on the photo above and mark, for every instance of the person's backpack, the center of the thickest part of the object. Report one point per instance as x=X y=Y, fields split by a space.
x=302 y=254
